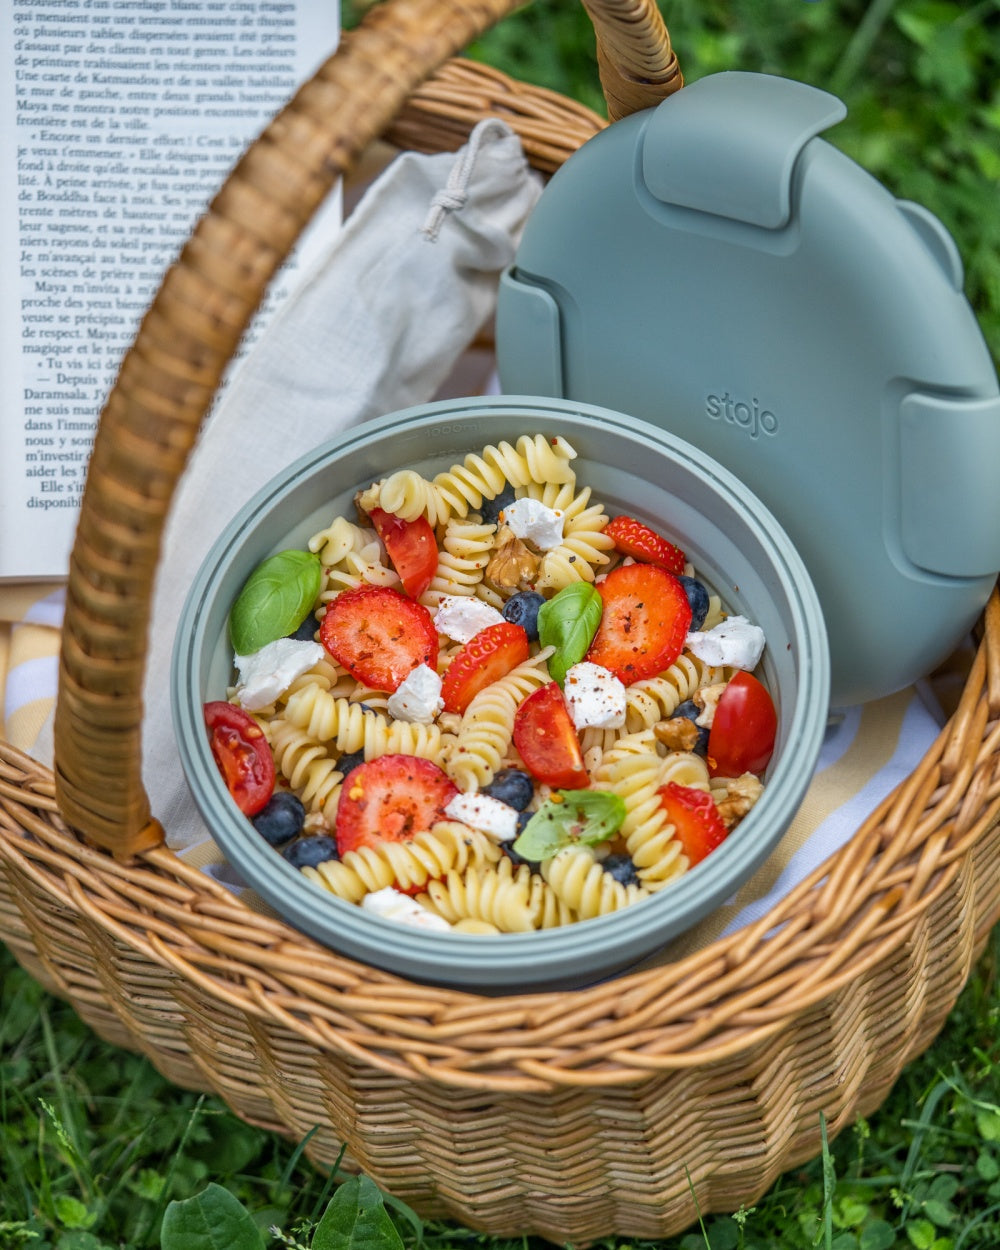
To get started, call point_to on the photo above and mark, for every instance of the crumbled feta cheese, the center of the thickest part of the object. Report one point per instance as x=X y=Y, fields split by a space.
x=268 y=673
x=485 y=813
x=417 y=698
x=533 y=520
x=734 y=642
x=594 y=696
x=393 y=905
x=461 y=617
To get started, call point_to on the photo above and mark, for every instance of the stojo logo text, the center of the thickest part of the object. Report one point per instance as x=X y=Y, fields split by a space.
x=748 y=416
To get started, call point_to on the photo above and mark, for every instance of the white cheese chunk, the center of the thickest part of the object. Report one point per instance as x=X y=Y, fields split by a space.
x=734 y=642
x=393 y=905
x=417 y=698
x=461 y=617
x=267 y=674
x=485 y=813
x=532 y=520
x=595 y=696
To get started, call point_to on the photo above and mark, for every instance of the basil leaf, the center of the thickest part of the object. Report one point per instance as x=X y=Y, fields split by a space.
x=568 y=622
x=276 y=598
x=583 y=817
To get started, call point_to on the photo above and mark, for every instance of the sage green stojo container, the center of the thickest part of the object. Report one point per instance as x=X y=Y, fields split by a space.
x=734 y=543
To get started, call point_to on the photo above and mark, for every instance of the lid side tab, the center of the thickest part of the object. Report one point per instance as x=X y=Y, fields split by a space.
x=528 y=323
x=727 y=144
x=950 y=505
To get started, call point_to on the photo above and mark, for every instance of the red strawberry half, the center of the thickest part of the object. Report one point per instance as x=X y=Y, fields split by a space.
x=390 y=799
x=379 y=635
x=484 y=659
x=645 y=620
x=696 y=820
x=632 y=538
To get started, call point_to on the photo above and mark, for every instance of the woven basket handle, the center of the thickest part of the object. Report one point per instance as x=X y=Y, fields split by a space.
x=191 y=331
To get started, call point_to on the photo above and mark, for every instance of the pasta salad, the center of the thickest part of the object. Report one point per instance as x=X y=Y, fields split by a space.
x=483 y=704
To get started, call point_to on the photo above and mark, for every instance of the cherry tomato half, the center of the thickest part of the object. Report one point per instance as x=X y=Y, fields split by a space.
x=411 y=547
x=242 y=755
x=745 y=725
x=546 y=739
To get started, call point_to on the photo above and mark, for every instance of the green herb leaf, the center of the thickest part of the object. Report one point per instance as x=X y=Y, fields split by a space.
x=209 y=1220
x=583 y=817
x=275 y=600
x=356 y=1219
x=569 y=622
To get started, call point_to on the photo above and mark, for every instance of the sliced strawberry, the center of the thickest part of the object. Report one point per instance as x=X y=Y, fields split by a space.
x=379 y=635
x=484 y=659
x=390 y=799
x=634 y=539
x=645 y=620
x=696 y=820
x=546 y=739
x=412 y=548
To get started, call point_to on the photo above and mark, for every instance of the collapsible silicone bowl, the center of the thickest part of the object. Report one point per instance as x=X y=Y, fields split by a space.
x=735 y=544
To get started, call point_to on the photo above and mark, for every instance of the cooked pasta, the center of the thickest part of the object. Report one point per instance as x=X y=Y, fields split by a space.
x=498 y=894
x=577 y=878
x=465 y=552
x=548 y=910
x=657 y=698
x=354 y=727
x=462 y=488
x=634 y=771
x=307 y=766
x=448 y=846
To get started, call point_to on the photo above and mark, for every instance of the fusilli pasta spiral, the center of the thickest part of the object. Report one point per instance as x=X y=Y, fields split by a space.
x=353 y=727
x=581 y=883
x=446 y=847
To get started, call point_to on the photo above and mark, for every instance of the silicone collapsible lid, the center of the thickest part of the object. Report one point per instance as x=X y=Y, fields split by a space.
x=734 y=543
x=715 y=268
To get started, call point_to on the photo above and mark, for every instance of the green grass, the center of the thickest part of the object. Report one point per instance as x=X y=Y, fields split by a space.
x=95 y=1144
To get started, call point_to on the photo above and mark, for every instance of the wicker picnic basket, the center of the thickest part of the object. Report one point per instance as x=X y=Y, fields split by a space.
x=621 y=1109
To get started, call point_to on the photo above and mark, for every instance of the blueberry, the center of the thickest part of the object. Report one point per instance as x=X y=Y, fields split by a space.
x=347 y=763
x=698 y=599
x=306 y=632
x=522 y=609
x=511 y=786
x=310 y=852
x=691 y=711
x=281 y=819
x=622 y=868
x=491 y=509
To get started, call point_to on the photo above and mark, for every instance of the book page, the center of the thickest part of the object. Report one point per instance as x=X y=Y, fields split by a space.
x=119 y=119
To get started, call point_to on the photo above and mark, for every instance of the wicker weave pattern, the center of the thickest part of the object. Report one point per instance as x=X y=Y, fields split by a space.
x=571 y=1115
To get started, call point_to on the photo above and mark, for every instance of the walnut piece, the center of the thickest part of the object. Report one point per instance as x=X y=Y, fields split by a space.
x=677 y=734
x=512 y=566
x=741 y=794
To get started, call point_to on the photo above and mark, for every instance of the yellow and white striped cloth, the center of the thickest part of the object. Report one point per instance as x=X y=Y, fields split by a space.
x=30 y=617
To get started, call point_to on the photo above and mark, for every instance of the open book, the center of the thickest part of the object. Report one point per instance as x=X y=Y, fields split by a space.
x=120 y=120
